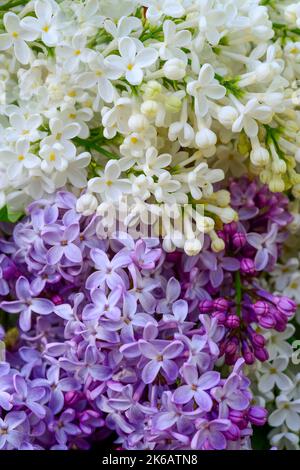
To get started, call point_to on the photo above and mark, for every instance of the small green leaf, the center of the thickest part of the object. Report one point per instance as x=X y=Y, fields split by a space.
x=7 y=215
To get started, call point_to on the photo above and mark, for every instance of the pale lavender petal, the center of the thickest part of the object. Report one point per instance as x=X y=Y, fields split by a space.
x=203 y=400
x=55 y=254
x=172 y=350
x=42 y=306
x=73 y=253
x=150 y=371
x=261 y=259
x=170 y=368
x=183 y=394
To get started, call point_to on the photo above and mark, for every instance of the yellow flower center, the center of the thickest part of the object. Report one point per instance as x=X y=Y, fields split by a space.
x=109 y=183
x=77 y=52
x=21 y=157
x=72 y=116
x=46 y=28
x=133 y=140
x=15 y=34
x=52 y=157
x=130 y=66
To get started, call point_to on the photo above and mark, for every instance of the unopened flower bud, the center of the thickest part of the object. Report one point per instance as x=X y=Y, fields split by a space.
x=87 y=204
x=174 y=69
x=261 y=354
x=238 y=240
x=247 y=266
x=279 y=167
x=233 y=321
x=260 y=156
x=257 y=415
x=152 y=89
x=149 y=108
x=205 y=138
x=173 y=104
x=222 y=198
x=217 y=245
x=261 y=307
x=221 y=304
x=138 y=123
x=276 y=184
x=206 y=306
x=227 y=115
x=192 y=247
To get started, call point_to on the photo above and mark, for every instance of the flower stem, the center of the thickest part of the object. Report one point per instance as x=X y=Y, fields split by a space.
x=11 y=4
x=91 y=145
x=238 y=290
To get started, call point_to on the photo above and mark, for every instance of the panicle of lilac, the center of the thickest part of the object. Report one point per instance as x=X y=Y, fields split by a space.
x=112 y=339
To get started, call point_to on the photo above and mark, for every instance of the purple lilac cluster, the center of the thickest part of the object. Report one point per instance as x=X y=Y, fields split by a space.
x=228 y=282
x=118 y=337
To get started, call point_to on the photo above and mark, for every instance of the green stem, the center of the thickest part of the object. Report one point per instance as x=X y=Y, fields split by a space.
x=13 y=4
x=238 y=290
x=91 y=145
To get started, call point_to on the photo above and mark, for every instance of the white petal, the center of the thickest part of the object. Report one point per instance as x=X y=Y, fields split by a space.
x=5 y=41
x=43 y=10
x=106 y=90
x=146 y=57
x=134 y=76
x=112 y=170
x=11 y=22
x=206 y=75
x=22 y=51
x=127 y=48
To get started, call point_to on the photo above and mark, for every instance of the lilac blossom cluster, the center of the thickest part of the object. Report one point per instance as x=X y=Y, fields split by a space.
x=117 y=337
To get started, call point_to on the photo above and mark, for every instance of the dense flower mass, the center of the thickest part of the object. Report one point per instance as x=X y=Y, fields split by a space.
x=149 y=224
x=136 y=350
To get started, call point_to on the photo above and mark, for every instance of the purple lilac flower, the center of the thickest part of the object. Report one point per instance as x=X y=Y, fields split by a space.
x=26 y=304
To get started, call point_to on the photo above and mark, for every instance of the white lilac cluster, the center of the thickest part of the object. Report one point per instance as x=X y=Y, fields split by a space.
x=150 y=102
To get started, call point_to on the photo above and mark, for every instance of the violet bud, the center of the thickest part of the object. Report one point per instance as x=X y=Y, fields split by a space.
x=261 y=307
x=206 y=306
x=285 y=305
x=71 y=397
x=221 y=304
x=231 y=346
x=267 y=321
x=233 y=433
x=247 y=354
x=236 y=416
x=258 y=340
x=233 y=321
x=261 y=354
x=221 y=316
x=247 y=266
x=238 y=240
x=231 y=228
x=257 y=415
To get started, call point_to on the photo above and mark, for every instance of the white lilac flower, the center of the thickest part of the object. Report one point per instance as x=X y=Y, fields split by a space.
x=272 y=373
x=205 y=88
x=109 y=184
x=17 y=36
x=45 y=23
x=287 y=412
x=132 y=60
